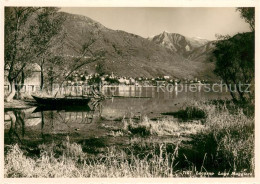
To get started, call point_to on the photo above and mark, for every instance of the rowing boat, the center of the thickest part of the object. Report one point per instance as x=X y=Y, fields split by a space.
x=62 y=101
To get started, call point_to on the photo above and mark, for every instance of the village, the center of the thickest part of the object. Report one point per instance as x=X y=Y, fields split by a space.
x=113 y=79
x=33 y=82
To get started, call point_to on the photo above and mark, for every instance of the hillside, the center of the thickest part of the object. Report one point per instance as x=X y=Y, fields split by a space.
x=189 y=48
x=131 y=55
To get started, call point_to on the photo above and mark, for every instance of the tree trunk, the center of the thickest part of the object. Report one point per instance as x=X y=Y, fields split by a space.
x=19 y=87
x=10 y=97
x=42 y=77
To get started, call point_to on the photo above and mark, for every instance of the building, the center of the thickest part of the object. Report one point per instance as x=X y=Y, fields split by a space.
x=31 y=82
x=166 y=77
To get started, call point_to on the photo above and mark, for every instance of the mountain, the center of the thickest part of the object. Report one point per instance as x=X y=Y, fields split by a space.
x=197 y=41
x=202 y=53
x=131 y=55
x=184 y=46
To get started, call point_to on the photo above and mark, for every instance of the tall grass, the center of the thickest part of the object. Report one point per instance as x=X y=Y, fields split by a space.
x=224 y=142
x=72 y=162
x=147 y=127
x=226 y=127
x=232 y=132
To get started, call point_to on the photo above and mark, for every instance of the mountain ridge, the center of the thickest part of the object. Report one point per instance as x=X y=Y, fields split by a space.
x=132 y=55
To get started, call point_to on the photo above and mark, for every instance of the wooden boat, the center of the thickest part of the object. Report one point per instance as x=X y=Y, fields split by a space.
x=64 y=101
x=81 y=108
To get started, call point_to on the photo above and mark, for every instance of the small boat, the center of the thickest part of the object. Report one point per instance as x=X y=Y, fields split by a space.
x=62 y=101
x=74 y=108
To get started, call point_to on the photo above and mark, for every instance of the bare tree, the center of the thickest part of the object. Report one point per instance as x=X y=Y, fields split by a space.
x=17 y=48
x=46 y=34
x=27 y=38
x=86 y=56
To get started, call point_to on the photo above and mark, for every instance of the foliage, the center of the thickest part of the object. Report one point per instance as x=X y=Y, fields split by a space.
x=29 y=34
x=18 y=49
x=43 y=32
x=100 y=68
x=233 y=133
x=46 y=34
x=235 y=64
x=112 y=80
x=188 y=113
x=249 y=15
x=95 y=80
x=225 y=143
x=235 y=61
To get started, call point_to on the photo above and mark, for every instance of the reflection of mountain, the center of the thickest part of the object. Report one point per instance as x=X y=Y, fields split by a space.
x=132 y=55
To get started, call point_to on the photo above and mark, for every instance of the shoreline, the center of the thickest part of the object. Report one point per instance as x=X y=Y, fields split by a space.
x=18 y=104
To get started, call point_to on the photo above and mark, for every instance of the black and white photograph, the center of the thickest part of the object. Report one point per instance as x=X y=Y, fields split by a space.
x=129 y=92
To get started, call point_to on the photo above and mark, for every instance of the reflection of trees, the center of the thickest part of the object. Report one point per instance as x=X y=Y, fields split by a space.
x=42 y=125
x=68 y=117
x=17 y=125
x=50 y=119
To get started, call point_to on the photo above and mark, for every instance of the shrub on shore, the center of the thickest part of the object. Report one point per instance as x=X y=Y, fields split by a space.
x=233 y=134
x=226 y=126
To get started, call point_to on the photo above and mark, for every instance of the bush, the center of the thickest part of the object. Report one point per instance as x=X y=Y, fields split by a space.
x=193 y=112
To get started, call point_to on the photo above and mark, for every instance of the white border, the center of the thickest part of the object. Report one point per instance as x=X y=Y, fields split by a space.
x=134 y=3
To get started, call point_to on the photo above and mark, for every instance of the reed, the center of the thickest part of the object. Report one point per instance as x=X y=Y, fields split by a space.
x=223 y=140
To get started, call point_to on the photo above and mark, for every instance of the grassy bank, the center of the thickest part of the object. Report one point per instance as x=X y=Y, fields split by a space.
x=221 y=139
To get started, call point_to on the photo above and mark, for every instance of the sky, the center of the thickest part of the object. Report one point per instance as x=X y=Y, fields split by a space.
x=147 y=22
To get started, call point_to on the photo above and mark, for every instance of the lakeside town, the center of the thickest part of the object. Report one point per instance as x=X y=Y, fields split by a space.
x=113 y=79
x=82 y=100
x=80 y=79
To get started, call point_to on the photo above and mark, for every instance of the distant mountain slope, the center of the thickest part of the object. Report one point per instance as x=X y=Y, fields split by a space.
x=132 y=55
x=184 y=46
x=197 y=42
x=203 y=53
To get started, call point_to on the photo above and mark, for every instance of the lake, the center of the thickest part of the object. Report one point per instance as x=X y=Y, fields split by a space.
x=33 y=126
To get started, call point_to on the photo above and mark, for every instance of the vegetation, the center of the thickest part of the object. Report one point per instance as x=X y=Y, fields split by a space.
x=70 y=163
x=46 y=34
x=224 y=142
x=36 y=35
x=112 y=80
x=188 y=113
x=29 y=34
x=201 y=139
x=235 y=61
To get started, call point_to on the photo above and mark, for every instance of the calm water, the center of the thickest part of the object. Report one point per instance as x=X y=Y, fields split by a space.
x=33 y=126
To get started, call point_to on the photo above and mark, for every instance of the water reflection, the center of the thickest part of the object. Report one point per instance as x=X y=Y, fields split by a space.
x=41 y=124
x=15 y=121
x=23 y=125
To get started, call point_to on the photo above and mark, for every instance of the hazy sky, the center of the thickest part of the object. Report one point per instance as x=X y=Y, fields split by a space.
x=191 y=22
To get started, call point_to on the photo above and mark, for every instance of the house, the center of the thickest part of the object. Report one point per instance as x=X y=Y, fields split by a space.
x=166 y=77
x=124 y=80
x=31 y=82
x=132 y=81
x=127 y=81
x=35 y=78
x=121 y=80
x=103 y=78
